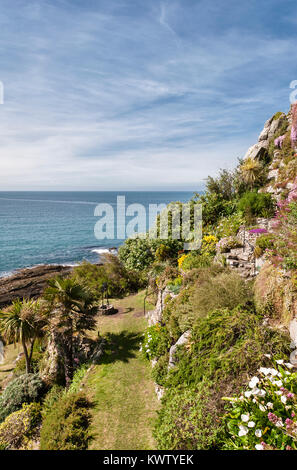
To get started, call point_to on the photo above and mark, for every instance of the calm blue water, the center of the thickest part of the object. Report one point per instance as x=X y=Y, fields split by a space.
x=58 y=227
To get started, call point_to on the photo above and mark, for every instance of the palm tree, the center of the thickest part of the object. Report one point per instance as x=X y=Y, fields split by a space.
x=73 y=312
x=23 y=323
x=251 y=171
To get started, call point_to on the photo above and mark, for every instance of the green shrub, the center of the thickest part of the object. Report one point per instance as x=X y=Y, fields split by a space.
x=66 y=426
x=225 y=348
x=155 y=342
x=206 y=289
x=187 y=419
x=78 y=376
x=52 y=396
x=227 y=345
x=21 y=427
x=277 y=115
x=196 y=260
x=229 y=226
x=160 y=370
x=263 y=242
x=24 y=389
x=112 y=273
x=138 y=254
x=175 y=285
x=254 y=204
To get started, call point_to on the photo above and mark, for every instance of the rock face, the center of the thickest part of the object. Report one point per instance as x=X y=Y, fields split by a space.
x=53 y=370
x=259 y=150
x=155 y=316
x=242 y=259
x=172 y=353
x=29 y=283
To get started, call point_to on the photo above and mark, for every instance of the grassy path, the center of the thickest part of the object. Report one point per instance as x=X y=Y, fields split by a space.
x=121 y=387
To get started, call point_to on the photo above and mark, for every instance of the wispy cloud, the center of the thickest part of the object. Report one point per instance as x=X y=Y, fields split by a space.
x=122 y=95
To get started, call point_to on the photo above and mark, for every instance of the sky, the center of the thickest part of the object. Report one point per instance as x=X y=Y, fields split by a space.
x=138 y=95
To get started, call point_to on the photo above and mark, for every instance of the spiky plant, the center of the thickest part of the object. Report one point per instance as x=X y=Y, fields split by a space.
x=251 y=171
x=23 y=322
x=73 y=311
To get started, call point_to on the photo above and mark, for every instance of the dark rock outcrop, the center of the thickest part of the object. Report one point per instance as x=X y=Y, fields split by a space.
x=29 y=282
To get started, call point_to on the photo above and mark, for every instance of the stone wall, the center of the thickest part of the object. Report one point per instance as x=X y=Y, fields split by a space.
x=242 y=259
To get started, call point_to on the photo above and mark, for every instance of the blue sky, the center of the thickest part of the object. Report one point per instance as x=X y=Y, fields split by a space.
x=134 y=94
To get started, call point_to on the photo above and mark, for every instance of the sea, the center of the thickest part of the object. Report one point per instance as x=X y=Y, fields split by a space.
x=59 y=227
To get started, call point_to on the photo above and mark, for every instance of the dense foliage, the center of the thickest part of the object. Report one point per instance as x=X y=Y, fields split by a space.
x=20 y=428
x=225 y=347
x=263 y=417
x=138 y=254
x=66 y=426
x=112 y=275
x=24 y=389
x=254 y=204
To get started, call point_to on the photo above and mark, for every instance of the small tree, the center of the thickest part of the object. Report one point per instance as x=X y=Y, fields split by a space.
x=23 y=322
x=72 y=312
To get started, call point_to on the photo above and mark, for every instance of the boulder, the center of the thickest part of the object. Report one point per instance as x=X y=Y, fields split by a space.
x=172 y=353
x=257 y=151
x=155 y=316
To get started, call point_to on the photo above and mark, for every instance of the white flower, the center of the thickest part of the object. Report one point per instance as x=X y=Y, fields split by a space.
x=278 y=383
x=262 y=408
x=247 y=394
x=258 y=433
x=261 y=392
x=259 y=447
x=245 y=417
x=140 y=349
x=273 y=372
x=269 y=405
x=264 y=370
x=284 y=399
x=279 y=423
x=268 y=355
x=280 y=361
x=278 y=392
x=251 y=424
x=288 y=364
x=253 y=382
x=243 y=430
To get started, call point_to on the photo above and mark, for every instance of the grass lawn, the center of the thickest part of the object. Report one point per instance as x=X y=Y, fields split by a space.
x=11 y=353
x=121 y=386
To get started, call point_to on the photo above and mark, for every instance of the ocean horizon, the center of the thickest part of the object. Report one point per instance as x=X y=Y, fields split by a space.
x=57 y=227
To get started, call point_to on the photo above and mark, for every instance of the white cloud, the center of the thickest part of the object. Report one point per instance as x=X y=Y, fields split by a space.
x=122 y=97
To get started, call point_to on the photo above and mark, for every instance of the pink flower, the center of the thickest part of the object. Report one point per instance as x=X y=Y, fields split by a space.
x=279 y=141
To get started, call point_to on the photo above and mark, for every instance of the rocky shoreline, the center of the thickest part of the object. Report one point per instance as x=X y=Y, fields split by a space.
x=29 y=282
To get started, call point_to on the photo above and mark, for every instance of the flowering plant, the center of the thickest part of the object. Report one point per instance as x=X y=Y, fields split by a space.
x=155 y=342
x=278 y=142
x=258 y=230
x=284 y=253
x=294 y=125
x=229 y=225
x=265 y=415
x=209 y=245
